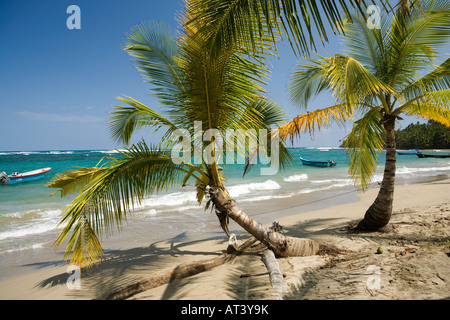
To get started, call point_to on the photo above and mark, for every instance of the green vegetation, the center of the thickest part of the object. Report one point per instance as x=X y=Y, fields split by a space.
x=431 y=135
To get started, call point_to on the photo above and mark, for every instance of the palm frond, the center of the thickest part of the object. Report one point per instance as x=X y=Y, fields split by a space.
x=415 y=40
x=154 y=48
x=124 y=121
x=219 y=88
x=353 y=84
x=317 y=119
x=436 y=80
x=308 y=80
x=365 y=142
x=242 y=21
x=368 y=46
x=429 y=111
x=74 y=181
x=113 y=191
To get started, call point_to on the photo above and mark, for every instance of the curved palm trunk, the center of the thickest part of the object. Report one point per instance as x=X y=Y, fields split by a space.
x=282 y=245
x=379 y=213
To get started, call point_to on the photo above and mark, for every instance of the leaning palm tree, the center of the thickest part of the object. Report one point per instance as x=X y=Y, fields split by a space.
x=388 y=72
x=197 y=93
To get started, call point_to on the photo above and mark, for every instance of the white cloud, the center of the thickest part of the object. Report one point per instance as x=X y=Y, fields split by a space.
x=53 y=117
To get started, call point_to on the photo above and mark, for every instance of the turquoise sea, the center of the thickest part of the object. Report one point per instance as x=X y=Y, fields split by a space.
x=29 y=215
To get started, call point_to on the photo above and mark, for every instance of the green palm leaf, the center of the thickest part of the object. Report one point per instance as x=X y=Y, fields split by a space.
x=124 y=121
x=154 y=49
x=365 y=143
x=244 y=22
x=113 y=191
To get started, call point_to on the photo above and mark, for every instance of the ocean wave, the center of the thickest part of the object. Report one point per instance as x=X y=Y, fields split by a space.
x=59 y=152
x=267 y=197
x=30 y=229
x=175 y=199
x=242 y=189
x=334 y=182
x=24 y=153
x=28 y=222
x=24 y=248
x=107 y=151
x=33 y=214
x=296 y=178
x=412 y=170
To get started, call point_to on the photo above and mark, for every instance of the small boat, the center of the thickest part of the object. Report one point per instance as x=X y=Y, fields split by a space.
x=315 y=163
x=16 y=177
x=411 y=152
x=421 y=155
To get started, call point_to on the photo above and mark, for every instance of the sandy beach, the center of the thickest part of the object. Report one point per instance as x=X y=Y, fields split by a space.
x=414 y=263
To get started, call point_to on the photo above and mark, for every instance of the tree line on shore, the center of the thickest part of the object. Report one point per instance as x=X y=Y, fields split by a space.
x=431 y=135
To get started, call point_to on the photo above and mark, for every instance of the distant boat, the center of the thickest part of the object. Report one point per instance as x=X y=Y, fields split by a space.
x=421 y=155
x=315 y=163
x=411 y=152
x=16 y=177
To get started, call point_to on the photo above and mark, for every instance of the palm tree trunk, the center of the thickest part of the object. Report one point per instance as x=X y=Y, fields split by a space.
x=379 y=213
x=283 y=246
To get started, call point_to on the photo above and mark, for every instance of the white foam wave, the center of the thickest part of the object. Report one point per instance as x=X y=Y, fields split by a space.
x=29 y=222
x=59 y=152
x=334 y=182
x=32 y=214
x=28 y=247
x=409 y=171
x=296 y=178
x=175 y=199
x=241 y=189
x=266 y=197
x=108 y=151
x=28 y=230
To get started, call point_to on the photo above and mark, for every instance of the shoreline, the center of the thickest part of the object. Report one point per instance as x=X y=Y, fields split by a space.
x=47 y=279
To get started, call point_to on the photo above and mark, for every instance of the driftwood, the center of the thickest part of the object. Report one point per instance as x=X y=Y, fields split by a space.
x=179 y=272
x=246 y=275
x=276 y=277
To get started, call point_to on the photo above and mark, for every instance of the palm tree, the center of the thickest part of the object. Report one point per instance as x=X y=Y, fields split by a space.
x=221 y=92
x=387 y=73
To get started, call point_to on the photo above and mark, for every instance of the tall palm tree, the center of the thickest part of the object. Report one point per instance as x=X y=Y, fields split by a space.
x=194 y=89
x=387 y=73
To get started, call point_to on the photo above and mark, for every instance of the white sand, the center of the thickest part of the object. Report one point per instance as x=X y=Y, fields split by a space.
x=415 y=262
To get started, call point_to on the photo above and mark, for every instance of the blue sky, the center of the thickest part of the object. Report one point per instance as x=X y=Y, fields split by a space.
x=57 y=85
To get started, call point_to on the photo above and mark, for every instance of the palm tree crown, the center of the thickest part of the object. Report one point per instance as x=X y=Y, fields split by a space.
x=224 y=92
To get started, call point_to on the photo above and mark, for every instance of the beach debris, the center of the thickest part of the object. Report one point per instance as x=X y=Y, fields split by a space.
x=276 y=227
x=379 y=250
x=326 y=249
x=407 y=250
x=275 y=275
x=246 y=275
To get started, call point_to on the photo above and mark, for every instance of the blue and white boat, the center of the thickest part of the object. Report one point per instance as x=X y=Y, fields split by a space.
x=315 y=163
x=411 y=152
x=17 y=177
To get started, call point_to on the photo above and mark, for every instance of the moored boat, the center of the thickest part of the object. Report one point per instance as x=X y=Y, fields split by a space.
x=315 y=163
x=422 y=155
x=17 y=177
x=411 y=152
